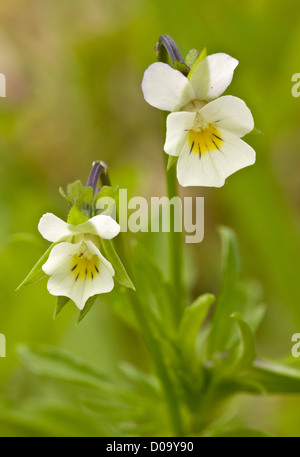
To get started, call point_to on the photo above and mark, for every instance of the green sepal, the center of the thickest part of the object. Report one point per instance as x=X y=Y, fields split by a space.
x=37 y=273
x=182 y=67
x=61 y=302
x=109 y=193
x=87 y=307
x=121 y=275
x=171 y=162
x=201 y=56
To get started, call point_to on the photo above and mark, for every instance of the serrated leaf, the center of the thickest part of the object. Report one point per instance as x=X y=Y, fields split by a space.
x=84 y=201
x=73 y=190
x=67 y=199
x=192 y=319
x=87 y=307
x=60 y=365
x=121 y=275
x=37 y=273
x=246 y=352
x=76 y=217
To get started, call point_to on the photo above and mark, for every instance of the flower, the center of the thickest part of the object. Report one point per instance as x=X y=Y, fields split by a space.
x=76 y=267
x=78 y=271
x=203 y=131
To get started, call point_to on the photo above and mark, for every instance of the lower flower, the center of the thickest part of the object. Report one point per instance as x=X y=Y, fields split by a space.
x=78 y=271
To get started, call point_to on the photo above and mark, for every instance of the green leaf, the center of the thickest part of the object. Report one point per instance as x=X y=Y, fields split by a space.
x=37 y=273
x=274 y=377
x=63 y=194
x=228 y=300
x=192 y=57
x=201 y=56
x=60 y=365
x=192 y=319
x=180 y=66
x=246 y=352
x=73 y=190
x=60 y=304
x=76 y=217
x=84 y=201
x=109 y=200
x=121 y=275
x=87 y=307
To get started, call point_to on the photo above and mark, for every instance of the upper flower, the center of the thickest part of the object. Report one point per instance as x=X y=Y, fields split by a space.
x=169 y=90
x=203 y=131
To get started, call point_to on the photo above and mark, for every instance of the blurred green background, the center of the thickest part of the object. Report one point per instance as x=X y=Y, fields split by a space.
x=74 y=72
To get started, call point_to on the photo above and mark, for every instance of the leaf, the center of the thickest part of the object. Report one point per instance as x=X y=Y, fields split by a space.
x=84 y=201
x=37 y=273
x=76 y=217
x=274 y=377
x=246 y=351
x=60 y=304
x=60 y=365
x=121 y=275
x=192 y=319
x=87 y=307
x=181 y=66
x=73 y=190
x=228 y=300
x=63 y=194
x=108 y=203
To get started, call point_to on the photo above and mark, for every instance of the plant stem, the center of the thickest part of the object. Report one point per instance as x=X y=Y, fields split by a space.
x=161 y=368
x=175 y=238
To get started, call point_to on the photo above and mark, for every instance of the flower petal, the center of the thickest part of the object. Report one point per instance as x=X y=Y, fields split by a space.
x=52 y=228
x=212 y=75
x=213 y=167
x=229 y=113
x=178 y=125
x=165 y=88
x=102 y=225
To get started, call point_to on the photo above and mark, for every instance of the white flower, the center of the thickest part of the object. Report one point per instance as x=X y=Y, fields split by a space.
x=76 y=267
x=78 y=271
x=202 y=132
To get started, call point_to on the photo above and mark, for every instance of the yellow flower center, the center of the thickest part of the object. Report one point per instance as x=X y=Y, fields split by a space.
x=84 y=266
x=204 y=139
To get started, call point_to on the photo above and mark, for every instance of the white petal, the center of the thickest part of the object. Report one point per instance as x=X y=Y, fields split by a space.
x=178 y=125
x=52 y=228
x=165 y=88
x=195 y=171
x=102 y=225
x=60 y=257
x=214 y=167
x=212 y=75
x=229 y=113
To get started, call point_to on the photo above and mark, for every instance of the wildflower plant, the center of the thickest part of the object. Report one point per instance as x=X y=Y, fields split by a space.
x=202 y=349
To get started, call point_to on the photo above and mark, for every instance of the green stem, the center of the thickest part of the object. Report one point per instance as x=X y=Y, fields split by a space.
x=175 y=238
x=161 y=368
